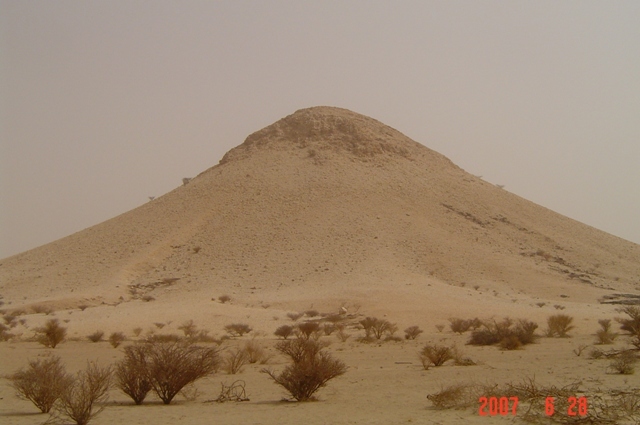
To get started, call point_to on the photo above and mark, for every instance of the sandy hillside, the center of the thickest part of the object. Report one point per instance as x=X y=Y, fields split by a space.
x=326 y=209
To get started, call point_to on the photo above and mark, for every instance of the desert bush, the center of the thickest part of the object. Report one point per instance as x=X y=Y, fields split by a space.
x=42 y=382
x=504 y=333
x=308 y=329
x=604 y=335
x=88 y=387
x=624 y=364
x=311 y=313
x=160 y=338
x=294 y=316
x=458 y=325
x=284 y=331
x=456 y=395
x=632 y=324
x=234 y=361
x=440 y=328
x=412 y=332
x=434 y=355
x=96 y=336
x=173 y=365
x=137 y=331
x=311 y=369
x=329 y=328
x=559 y=325
x=131 y=373
x=579 y=349
x=254 y=352
x=237 y=329
x=377 y=327
x=51 y=334
x=116 y=338
x=224 y=298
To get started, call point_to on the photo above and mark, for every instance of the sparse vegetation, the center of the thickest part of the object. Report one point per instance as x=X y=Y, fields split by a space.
x=284 y=331
x=294 y=316
x=51 y=334
x=137 y=331
x=42 y=383
x=237 y=329
x=374 y=327
x=604 y=335
x=309 y=329
x=559 y=325
x=235 y=360
x=624 y=364
x=88 y=388
x=434 y=355
x=172 y=365
x=311 y=369
x=504 y=333
x=116 y=338
x=96 y=336
x=224 y=298
x=131 y=373
x=412 y=332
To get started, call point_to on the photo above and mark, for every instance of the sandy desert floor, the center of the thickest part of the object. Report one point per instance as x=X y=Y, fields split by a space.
x=385 y=382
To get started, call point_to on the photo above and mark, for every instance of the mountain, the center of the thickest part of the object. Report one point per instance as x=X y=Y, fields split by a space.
x=328 y=206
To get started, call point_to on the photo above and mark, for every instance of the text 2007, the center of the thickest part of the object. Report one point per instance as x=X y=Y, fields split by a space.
x=492 y=406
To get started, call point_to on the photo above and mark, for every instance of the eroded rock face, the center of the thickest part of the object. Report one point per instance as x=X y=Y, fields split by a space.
x=325 y=132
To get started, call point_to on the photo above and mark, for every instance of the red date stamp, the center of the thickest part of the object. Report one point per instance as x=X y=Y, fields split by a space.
x=503 y=406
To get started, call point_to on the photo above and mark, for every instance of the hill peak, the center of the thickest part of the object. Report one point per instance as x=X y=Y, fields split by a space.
x=328 y=131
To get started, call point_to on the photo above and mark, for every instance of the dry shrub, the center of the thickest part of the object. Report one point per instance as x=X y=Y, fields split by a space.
x=311 y=369
x=237 y=329
x=131 y=373
x=374 y=327
x=604 y=336
x=309 y=329
x=137 y=331
x=89 y=387
x=171 y=366
x=234 y=361
x=435 y=355
x=504 y=333
x=51 y=334
x=559 y=325
x=294 y=316
x=96 y=336
x=224 y=298
x=412 y=332
x=116 y=338
x=458 y=325
x=329 y=328
x=624 y=364
x=632 y=324
x=163 y=338
x=311 y=313
x=453 y=396
x=255 y=353
x=42 y=383
x=284 y=331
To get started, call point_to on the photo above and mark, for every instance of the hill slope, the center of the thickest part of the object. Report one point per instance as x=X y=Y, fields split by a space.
x=326 y=205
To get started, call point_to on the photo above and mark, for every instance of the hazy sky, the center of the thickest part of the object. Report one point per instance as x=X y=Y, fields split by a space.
x=103 y=104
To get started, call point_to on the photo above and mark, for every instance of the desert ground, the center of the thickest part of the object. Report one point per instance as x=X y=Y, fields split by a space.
x=333 y=212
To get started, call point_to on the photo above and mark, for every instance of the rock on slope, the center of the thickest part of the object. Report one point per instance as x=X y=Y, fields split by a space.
x=329 y=202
